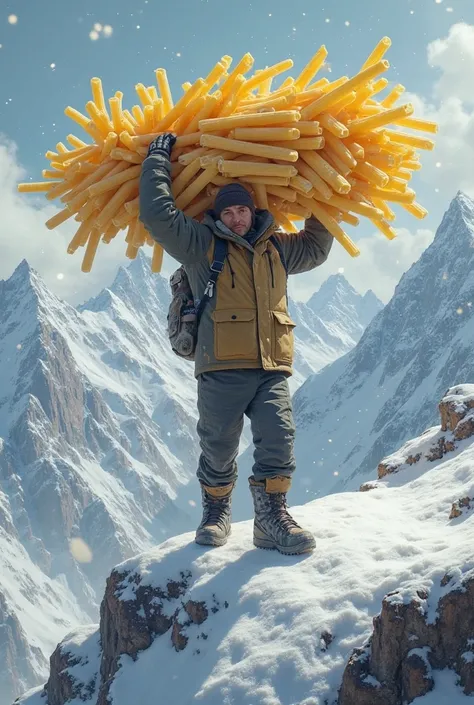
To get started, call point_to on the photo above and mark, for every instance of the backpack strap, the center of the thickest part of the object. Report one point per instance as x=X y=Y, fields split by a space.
x=220 y=253
x=274 y=240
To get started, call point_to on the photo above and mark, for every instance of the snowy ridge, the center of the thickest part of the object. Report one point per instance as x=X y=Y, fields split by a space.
x=254 y=627
x=365 y=404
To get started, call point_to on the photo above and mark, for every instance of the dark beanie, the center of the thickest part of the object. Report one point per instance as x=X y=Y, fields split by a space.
x=232 y=195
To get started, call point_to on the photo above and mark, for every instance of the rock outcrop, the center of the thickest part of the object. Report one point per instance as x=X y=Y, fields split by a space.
x=395 y=667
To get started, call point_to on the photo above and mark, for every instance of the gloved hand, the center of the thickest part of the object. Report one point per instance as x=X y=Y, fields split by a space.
x=163 y=144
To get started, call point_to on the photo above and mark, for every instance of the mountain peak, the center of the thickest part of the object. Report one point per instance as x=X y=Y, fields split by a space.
x=458 y=220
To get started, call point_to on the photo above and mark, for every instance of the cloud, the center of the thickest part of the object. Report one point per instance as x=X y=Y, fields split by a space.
x=23 y=235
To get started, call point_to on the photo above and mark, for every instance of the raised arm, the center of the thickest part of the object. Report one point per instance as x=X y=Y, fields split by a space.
x=180 y=236
x=308 y=249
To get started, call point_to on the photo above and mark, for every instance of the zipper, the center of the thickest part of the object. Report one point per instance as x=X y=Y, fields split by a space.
x=232 y=274
x=271 y=268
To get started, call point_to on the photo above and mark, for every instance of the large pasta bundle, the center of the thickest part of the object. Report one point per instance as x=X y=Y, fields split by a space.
x=306 y=147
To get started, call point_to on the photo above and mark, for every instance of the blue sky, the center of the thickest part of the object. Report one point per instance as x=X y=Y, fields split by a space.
x=47 y=58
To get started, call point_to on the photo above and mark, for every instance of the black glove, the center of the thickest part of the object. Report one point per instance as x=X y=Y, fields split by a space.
x=163 y=144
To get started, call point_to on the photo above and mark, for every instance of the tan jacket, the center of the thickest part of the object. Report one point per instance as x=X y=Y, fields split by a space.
x=246 y=323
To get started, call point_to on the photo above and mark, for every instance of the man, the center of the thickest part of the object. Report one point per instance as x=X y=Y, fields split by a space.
x=244 y=348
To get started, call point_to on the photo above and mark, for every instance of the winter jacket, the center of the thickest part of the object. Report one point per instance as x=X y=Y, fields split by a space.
x=246 y=323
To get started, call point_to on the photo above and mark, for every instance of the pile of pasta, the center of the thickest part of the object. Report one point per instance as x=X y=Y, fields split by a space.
x=310 y=146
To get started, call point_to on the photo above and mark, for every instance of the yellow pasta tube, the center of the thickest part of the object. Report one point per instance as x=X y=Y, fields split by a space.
x=114 y=181
x=210 y=104
x=340 y=150
x=157 y=258
x=348 y=205
x=407 y=196
x=385 y=228
x=78 y=117
x=282 y=220
x=302 y=143
x=419 y=124
x=143 y=94
x=100 y=119
x=381 y=205
x=325 y=102
x=318 y=183
x=82 y=196
x=296 y=210
x=200 y=205
x=37 y=186
x=250 y=148
x=411 y=164
x=326 y=172
x=110 y=143
x=98 y=95
x=189 y=112
x=241 y=168
x=249 y=120
x=332 y=226
x=91 y=250
x=307 y=128
x=338 y=129
x=269 y=72
x=311 y=68
x=193 y=189
x=393 y=96
x=215 y=75
x=138 y=115
x=378 y=53
x=126 y=155
x=122 y=194
x=415 y=209
x=300 y=184
x=182 y=103
x=371 y=173
x=186 y=159
x=59 y=218
x=273 y=180
x=75 y=141
x=261 y=196
x=182 y=180
x=396 y=184
x=411 y=140
x=133 y=206
x=164 y=88
x=241 y=68
x=265 y=134
x=81 y=236
x=51 y=174
x=287 y=194
x=214 y=155
x=384 y=118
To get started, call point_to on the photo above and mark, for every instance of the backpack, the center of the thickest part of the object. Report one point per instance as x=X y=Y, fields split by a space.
x=184 y=312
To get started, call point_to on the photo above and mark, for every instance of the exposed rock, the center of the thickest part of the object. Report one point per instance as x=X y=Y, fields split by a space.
x=130 y=624
x=455 y=405
x=440 y=449
x=388 y=670
x=416 y=676
x=74 y=668
x=462 y=505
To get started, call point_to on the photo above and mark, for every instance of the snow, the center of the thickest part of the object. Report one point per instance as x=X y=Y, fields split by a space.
x=263 y=645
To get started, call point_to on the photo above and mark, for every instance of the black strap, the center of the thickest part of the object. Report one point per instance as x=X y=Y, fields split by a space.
x=220 y=253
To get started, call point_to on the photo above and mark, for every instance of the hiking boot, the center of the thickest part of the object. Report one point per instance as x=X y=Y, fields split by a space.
x=214 y=528
x=273 y=526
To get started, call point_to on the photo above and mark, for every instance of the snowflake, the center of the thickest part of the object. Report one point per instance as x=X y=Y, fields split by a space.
x=12 y=19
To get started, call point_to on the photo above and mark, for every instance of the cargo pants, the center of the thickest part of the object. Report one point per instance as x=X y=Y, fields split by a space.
x=224 y=397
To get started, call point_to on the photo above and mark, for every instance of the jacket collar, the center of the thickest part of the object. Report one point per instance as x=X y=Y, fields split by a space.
x=264 y=226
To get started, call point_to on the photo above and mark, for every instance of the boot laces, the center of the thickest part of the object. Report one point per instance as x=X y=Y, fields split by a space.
x=216 y=509
x=282 y=517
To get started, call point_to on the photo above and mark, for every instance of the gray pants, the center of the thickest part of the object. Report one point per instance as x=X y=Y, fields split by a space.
x=223 y=399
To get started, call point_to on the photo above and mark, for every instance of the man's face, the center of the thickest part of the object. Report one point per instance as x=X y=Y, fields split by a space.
x=238 y=219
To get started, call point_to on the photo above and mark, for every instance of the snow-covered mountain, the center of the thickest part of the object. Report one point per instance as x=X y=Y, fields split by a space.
x=381 y=614
x=329 y=324
x=97 y=445
x=368 y=402
x=97 y=429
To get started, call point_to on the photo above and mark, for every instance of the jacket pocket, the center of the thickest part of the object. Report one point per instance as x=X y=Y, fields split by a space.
x=283 y=340
x=235 y=334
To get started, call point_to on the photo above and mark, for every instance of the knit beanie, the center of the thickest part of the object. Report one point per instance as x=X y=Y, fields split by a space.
x=232 y=195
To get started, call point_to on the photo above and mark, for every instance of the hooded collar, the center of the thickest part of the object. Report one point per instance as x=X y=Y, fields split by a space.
x=264 y=225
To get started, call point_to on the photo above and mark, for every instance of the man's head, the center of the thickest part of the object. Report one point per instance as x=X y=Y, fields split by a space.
x=234 y=206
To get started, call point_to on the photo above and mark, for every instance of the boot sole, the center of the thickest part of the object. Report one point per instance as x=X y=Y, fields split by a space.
x=305 y=546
